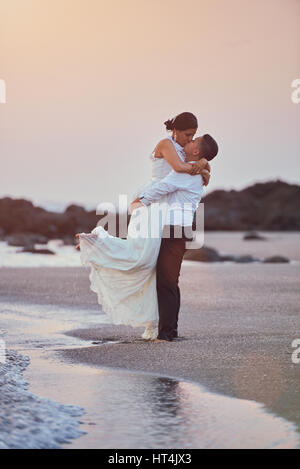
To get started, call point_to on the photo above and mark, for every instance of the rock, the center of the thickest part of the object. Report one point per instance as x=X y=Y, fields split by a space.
x=204 y=254
x=207 y=254
x=20 y=239
x=227 y=258
x=273 y=205
x=40 y=239
x=37 y=251
x=75 y=209
x=27 y=240
x=276 y=260
x=2 y=235
x=245 y=259
x=253 y=235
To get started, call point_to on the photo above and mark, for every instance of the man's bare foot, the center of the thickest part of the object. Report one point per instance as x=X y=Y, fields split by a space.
x=77 y=247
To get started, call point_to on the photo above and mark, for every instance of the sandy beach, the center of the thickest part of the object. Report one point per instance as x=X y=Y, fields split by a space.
x=237 y=324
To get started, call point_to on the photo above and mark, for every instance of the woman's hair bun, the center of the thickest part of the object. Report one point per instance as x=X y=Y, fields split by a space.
x=169 y=124
x=183 y=121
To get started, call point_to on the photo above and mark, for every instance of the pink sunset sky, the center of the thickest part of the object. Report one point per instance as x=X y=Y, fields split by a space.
x=90 y=83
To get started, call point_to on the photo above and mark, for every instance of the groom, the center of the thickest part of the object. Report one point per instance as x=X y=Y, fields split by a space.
x=184 y=194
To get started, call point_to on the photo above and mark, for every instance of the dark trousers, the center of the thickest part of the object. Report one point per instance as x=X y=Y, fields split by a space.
x=168 y=267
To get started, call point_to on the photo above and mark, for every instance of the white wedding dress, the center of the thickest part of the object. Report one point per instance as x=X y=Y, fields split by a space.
x=123 y=270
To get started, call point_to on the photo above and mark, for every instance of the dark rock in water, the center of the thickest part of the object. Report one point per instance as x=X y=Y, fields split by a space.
x=204 y=254
x=276 y=260
x=37 y=251
x=2 y=235
x=26 y=239
x=40 y=239
x=207 y=254
x=245 y=259
x=253 y=235
x=227 y=258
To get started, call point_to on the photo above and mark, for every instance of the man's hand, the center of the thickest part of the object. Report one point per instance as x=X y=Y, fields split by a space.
x=202 y=167
x=135 y=200
x=205 y=176
x=87 y=236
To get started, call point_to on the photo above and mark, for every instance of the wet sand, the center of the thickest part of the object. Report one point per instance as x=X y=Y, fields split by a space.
x=276 y=243
x=238 y=323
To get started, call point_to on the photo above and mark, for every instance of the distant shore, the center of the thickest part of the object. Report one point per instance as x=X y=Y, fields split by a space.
x=268 y=206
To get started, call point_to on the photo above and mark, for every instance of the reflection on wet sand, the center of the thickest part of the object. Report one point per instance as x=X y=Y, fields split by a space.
x=138 y=410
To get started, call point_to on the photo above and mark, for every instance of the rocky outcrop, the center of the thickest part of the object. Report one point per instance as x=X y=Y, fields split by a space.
x=276 y=260
x=253 y=236
x=37 y=251
x=273 y=206
x=23 y=224
x=19 y=216
x=204 y=254
x=269 y=206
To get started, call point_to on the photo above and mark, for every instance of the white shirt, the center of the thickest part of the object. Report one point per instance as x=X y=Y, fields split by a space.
x=184 y=194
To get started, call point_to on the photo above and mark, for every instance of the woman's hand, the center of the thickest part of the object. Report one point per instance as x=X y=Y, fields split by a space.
x=198 y=166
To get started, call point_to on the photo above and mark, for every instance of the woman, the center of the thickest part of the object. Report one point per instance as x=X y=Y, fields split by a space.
x=123 y=270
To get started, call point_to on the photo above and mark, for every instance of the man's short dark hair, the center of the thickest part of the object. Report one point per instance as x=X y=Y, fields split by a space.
x=210 y=147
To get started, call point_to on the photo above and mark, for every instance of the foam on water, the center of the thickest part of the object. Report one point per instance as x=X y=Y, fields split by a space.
x=65 y=256
x=28 y=421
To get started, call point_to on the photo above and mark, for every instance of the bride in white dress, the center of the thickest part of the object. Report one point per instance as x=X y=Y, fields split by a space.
x=122 y=271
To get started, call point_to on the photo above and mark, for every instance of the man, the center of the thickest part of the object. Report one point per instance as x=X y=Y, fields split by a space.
x=184 y=194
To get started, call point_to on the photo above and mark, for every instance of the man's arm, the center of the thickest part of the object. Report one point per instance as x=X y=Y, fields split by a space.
x=172 y=182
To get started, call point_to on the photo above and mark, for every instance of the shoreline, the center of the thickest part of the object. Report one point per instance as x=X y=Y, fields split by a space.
x=91 y=387
x=238 y=322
